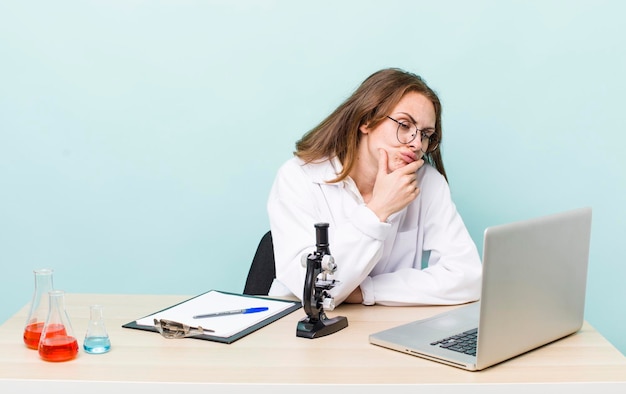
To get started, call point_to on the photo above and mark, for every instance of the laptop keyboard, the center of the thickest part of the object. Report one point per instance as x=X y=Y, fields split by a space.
x=464 y=342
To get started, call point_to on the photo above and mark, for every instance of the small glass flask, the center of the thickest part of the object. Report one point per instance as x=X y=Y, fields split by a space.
x=96 y=340
x=38 y=308
x=57 y=342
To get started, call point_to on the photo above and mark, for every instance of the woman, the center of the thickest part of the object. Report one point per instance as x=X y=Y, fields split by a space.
x=373 y=171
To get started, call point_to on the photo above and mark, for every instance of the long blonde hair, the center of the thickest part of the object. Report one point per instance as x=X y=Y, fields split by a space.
x=338 y=135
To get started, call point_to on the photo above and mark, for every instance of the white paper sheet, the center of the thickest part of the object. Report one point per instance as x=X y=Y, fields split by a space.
x=215 y=301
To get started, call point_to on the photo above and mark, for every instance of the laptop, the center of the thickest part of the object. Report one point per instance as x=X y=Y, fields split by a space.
x=533 y=293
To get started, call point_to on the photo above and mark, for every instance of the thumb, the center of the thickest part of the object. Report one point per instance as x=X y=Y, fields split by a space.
x=382 y=161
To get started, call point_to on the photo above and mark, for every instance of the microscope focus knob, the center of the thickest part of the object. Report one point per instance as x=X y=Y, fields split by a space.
x=304 y=260
x=329 y=303
x=328 y=264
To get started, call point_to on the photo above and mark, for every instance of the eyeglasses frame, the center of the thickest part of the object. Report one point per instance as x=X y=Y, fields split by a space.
x=433 y=140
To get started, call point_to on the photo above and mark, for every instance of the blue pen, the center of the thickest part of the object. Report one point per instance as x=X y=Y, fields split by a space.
x=233 y=312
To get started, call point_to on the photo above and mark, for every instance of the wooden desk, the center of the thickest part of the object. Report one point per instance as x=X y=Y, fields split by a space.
x=141 y=360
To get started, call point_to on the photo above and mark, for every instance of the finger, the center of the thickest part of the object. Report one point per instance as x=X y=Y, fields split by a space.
x=418 y=163
x=412 y=167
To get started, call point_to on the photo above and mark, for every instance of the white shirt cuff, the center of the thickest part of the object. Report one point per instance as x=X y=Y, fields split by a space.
x=367 y=290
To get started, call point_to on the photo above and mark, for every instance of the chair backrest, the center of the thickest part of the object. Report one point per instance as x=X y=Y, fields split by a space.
x=262 y=271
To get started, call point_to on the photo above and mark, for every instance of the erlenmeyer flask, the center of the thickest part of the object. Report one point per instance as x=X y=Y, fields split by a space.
x=57 y=342
x=96 y=340
x=38 y=308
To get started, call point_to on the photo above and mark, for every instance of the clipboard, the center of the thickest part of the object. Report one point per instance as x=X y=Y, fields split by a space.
x=231 y=328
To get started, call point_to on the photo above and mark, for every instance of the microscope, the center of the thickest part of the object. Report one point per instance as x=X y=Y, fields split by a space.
x=316 y=298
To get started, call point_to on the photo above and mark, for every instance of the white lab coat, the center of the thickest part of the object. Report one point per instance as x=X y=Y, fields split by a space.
x=422 y=255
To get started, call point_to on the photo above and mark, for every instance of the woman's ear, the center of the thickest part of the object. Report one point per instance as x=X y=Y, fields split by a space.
x=364 y=128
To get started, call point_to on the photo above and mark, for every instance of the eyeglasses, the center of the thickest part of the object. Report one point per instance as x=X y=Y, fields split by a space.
x=407 y=132
x=173 y=330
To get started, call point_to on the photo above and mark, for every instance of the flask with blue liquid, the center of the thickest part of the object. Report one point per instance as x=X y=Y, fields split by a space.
x=97 y=339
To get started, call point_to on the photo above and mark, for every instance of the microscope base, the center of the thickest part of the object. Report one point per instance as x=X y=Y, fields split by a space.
x=320 y=327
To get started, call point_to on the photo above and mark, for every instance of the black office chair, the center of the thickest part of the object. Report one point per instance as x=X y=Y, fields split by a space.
x=262 y=271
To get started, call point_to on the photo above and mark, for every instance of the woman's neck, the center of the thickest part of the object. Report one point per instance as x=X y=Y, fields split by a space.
x=364 y=177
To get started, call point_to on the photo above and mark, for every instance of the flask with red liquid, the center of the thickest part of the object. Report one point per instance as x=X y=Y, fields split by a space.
x=38 y=308
x=57 y=342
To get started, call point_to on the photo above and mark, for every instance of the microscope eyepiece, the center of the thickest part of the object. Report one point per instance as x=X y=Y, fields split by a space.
x=321 y=235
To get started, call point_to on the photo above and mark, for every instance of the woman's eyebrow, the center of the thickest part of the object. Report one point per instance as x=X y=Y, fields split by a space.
x=415 y=122
x=409 y=116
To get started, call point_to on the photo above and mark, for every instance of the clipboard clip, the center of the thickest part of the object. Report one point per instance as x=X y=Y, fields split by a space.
x=174 y=330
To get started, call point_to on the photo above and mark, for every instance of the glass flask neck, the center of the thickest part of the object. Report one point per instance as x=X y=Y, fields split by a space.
x=95 y=312
x=39 y=307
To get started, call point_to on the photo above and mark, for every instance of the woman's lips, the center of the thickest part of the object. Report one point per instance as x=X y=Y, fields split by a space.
x=408 y=157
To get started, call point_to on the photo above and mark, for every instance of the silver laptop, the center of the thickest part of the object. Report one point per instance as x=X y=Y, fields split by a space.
x=533 y=293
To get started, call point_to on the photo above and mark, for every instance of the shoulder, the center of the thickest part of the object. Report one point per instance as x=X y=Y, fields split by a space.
x=291 y=165
x=316 y=172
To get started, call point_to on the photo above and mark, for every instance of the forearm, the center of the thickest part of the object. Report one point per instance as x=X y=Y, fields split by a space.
x=443 y=284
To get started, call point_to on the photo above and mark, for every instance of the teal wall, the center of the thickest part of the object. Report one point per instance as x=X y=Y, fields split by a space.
x=139 y=139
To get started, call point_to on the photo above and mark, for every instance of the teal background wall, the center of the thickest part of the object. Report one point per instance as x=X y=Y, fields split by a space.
x=139 y=139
